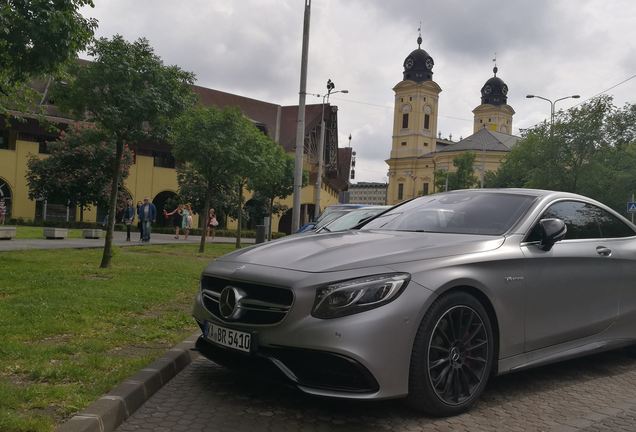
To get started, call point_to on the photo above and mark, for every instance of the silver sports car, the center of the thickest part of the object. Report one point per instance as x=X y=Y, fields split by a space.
x=429 y=299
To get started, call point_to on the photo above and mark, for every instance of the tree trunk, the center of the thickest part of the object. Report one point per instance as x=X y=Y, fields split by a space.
x=204 y=228
x=240 y=214
x=81 y=212
x=269 y=229
x=108 y=242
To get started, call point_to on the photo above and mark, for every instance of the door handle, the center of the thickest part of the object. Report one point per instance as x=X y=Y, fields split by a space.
x=603 y=251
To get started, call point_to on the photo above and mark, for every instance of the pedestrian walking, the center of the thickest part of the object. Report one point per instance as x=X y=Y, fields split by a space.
x=186 y=220
x=128 y=217
x=212 y=223
x=147 y=215
x=177 y=219
x=140 y=226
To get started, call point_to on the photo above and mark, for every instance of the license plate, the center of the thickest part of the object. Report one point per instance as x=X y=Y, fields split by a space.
x=229 y=338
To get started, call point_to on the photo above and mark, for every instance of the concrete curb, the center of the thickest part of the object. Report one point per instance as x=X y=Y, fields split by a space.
x=108 y=412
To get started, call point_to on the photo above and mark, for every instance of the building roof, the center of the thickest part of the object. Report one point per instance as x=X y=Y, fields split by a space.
x=278 y=122
x=368 y=185
x=256 y=110
x=341 y=182
x=494 y=91
x=418 y=65
x=289 y=123
x=483 y=140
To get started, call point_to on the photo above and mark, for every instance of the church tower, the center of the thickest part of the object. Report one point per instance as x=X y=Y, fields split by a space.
x=416 y=107
x=494 y=113
x=411 y=168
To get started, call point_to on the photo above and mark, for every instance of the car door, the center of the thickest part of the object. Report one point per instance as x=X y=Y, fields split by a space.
x=573 y=289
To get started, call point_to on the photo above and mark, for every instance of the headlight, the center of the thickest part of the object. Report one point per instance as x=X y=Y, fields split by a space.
x=357 y=295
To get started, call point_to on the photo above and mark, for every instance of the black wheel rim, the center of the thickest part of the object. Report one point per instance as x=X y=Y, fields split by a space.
x=458 y=355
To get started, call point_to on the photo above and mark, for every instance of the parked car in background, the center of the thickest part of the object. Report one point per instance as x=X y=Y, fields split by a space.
x=428 y=300
x=351 y=219
x=329 y=214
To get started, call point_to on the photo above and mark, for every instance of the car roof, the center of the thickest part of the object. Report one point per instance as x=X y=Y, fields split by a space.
x=522 y=191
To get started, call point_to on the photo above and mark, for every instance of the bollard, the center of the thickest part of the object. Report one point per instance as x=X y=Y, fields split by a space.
x=260 y=233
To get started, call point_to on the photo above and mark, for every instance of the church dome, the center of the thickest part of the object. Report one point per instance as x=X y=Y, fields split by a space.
x=494 y=91
x=418 y=65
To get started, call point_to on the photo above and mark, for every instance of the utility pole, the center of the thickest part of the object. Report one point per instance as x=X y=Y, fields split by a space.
x=300 y=129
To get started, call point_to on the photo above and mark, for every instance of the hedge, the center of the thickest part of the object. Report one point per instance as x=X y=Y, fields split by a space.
x=121 y=227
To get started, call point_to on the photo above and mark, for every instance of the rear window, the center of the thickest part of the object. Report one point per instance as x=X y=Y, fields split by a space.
x=456 y=212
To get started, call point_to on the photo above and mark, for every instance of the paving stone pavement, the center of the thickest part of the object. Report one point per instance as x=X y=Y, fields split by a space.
x=592 y=394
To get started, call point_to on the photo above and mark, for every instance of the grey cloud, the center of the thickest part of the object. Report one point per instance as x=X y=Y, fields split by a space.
x=252 y=47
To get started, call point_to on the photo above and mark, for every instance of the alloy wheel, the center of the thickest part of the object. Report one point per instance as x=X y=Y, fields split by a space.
x=457 y=355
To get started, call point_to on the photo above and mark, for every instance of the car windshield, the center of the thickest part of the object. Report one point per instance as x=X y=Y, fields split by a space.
x=353 y=218
x=333 y=208
x=330 y=217
x=456 y=212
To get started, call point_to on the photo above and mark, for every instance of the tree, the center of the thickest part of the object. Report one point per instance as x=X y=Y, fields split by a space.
x=192 y=189
x=37 y=38
x=591 y=150
x=279 y=183
x=74 y=170
x=224 y=148
x=463 y=176
x=130 y=95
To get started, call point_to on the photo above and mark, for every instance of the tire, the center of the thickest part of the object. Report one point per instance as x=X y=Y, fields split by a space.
x=452 y=356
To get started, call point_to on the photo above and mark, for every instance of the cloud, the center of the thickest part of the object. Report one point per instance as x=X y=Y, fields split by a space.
x=252 y=47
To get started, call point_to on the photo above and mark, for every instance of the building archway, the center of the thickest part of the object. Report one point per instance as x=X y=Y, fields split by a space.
x=168 y=201
x=306 y=215
x=7 y=196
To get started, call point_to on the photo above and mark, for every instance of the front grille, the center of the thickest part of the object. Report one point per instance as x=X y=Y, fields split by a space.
x=326 y=370
x=261 y=304
x=309 y=368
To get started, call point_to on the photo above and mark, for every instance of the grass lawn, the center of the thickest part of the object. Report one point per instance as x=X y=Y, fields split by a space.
x=31 y=232
x=69 y=331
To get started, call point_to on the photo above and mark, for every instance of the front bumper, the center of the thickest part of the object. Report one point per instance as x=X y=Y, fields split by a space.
x=319 y=370
x=361 y=356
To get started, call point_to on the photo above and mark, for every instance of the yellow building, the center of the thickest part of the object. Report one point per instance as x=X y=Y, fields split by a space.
x=417 y=151
x=153 y=173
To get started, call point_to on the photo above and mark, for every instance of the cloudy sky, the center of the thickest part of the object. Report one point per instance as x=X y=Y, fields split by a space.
x=551 y=48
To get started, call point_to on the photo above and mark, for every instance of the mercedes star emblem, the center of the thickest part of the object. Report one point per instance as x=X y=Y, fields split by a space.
x=229 y=302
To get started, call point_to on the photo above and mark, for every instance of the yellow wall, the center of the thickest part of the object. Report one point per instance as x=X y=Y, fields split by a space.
x=414 y=172
x=496 y=118
x=416 y=100
x=13 y=169
x=408 y=165
x=144 y=180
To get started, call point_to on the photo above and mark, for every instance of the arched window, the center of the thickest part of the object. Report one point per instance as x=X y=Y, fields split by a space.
x=427 y=117
x=6 y=196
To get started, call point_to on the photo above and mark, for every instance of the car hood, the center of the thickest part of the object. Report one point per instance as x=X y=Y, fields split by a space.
x=350 y=250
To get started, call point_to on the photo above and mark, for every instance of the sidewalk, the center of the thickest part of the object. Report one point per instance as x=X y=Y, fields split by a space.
x=119 y=240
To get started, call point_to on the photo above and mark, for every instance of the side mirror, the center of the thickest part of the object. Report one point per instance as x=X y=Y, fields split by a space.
x=552 y=230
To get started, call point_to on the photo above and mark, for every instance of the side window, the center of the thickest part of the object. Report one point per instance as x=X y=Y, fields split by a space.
x=613 y=227
x=584 y=221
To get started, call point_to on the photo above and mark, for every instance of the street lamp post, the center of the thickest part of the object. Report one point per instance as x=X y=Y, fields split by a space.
x=321 y=146
x=483 y=163
x=552 y=104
